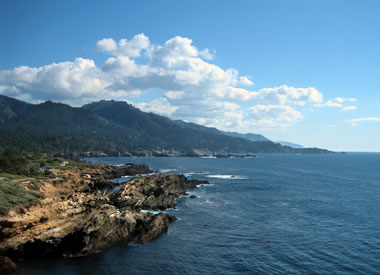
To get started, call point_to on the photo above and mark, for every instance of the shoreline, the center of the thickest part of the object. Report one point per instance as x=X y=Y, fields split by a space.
x=78 y=215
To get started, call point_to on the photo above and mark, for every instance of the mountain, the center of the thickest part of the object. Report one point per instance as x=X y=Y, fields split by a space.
x=251 y=137
x=290 y=144
x=114 y=128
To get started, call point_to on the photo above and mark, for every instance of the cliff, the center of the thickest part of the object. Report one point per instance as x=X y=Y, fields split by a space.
x=79 y=215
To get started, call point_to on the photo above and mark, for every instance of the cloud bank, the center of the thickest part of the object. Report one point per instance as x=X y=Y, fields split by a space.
x=190 y=86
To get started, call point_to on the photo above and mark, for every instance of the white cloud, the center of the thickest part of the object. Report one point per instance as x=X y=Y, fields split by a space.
x=68 y=81
x=192 y=88
x=131 y=48
x=278 y=95
x=174 y=95
x=246 y=81
x=345 y=99
x=173 y=48
x=206 y=54
x=330 y=104
x=106 y=45
x=356 y=121
x=9 y=91
x=75 y=82
x=348 y=108
x=158 y=106
x=336 y=102
x=271 y=116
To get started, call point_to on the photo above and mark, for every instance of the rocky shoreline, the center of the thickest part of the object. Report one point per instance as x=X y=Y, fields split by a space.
x=80 y=215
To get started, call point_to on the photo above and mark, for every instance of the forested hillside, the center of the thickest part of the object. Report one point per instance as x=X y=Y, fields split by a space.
x=114 y=128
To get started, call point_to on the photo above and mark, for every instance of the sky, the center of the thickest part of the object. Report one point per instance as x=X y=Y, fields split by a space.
x=302 y=71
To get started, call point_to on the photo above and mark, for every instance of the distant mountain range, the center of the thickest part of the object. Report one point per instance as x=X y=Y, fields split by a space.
x=290 y=144
x=211 y=130
x=115 y=128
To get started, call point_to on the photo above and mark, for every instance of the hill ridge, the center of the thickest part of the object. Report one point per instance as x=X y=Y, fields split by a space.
x=115 y=128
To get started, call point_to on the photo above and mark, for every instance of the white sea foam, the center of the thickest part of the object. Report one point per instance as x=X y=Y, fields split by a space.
x=228 y=177
x=154 y=212
x=189 y=174
x=163 y=171
x=204 y=185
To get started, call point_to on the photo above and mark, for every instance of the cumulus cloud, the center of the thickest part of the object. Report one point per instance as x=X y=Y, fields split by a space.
x=279 y=95
x=246 y=81
x=356 y=121
x=131 y=48
x=106 y=45
x=192 y=88
x=71 y=82
x=158 y=106
x=206 y=54
x=274 y=115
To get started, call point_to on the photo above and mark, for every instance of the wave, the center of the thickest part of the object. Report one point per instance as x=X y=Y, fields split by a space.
x=163 y=171
x=189 y=174
x=228 y=177
x=154 y=212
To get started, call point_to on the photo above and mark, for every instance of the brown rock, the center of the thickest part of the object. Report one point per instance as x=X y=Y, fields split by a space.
x=77 y=216
x=157 y=225
x=192 y=184
x=157 y=192
x=7 y=265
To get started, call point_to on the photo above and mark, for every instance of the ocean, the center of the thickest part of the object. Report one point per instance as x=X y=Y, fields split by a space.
x=273 y=214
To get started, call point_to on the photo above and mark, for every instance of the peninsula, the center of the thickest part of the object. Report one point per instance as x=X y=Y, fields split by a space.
x=74 y=209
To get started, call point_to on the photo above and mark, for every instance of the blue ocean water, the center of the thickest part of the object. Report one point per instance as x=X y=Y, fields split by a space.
x=273 y=214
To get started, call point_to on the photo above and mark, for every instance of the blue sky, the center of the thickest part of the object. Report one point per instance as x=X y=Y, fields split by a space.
x=302 y=71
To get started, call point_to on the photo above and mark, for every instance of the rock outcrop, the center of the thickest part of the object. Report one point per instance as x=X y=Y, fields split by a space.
x=7 y=265
x=78 y=215
x=156 y=192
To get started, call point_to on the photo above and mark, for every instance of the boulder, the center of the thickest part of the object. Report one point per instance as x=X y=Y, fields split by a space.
x=157 y=192
x=154 y=227
x=192 y=184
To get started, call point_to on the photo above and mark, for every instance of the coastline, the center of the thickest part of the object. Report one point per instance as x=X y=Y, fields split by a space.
x=79 y=214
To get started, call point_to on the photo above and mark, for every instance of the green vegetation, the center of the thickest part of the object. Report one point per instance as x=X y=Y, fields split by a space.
x=18 y=171
x=12 y=193
x=113 y=128
x=33 y=165
x=13 y=163
x=14 y=169
x=21 y=176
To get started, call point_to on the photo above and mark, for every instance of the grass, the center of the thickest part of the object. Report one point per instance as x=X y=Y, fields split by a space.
x=73 y=163
x=12 y=191
x=12 y=194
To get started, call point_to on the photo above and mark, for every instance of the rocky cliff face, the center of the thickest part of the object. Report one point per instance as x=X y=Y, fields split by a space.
x=157 y=192
x=79 y=215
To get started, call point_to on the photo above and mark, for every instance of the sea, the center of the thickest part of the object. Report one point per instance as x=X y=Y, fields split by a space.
x=273 y=214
